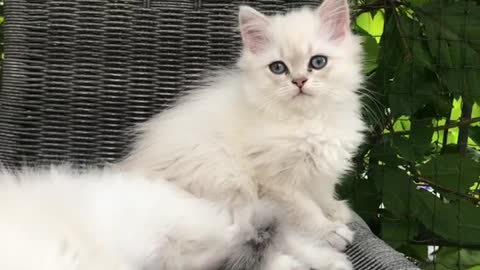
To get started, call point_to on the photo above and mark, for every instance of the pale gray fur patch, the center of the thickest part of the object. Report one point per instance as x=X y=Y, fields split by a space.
x=249 y=256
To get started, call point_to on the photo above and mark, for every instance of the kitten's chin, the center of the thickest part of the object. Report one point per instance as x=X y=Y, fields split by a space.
x=299 y=106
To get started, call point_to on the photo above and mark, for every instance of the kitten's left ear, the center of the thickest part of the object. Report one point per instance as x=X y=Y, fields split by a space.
x=336 y=15
x=253 y=26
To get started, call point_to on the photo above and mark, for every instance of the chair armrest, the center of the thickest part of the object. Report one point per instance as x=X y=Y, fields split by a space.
x=368 y=252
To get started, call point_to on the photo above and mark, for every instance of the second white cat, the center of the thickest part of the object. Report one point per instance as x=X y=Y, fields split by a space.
x=60 y=219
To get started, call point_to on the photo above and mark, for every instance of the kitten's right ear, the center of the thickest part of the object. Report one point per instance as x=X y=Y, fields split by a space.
x=336 y=15
x=253 y=27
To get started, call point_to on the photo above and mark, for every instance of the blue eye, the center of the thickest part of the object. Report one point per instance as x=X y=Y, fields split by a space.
x=318 y=62
x=278 y=67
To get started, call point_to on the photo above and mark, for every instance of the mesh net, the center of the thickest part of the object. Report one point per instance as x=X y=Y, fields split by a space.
x=416 y=181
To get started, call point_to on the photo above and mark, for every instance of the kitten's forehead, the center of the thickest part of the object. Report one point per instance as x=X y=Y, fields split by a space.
x=299 y=34
x=295 y=33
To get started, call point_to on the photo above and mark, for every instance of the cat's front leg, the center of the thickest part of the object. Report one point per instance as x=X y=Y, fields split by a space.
x=338 y=212
x=239 y=203
x=341 y=237
x=323 y=193
x=316 y=255
x=305 y=214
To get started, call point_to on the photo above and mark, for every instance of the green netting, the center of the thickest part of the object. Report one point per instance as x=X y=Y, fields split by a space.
x=416 y=181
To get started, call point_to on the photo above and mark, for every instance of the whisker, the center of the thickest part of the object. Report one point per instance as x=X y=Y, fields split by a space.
x=377 y=112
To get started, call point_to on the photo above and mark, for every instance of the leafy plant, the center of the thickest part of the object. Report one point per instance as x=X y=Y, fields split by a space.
x=417 y=178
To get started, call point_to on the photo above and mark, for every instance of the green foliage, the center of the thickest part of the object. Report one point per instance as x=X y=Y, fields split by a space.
x=414 y=183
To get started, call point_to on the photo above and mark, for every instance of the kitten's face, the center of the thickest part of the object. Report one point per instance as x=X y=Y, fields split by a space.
x=301 y=61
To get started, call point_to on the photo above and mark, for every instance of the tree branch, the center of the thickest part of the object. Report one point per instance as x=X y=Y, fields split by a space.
x=463 y=130
x=447 y=190
x=445 y=132
x=460 y=123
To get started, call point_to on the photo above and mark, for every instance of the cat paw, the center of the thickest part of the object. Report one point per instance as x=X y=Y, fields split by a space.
x=340 y=238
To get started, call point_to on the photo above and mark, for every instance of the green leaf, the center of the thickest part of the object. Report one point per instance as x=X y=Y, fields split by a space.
x=418 y=143
x=421 y=136
x=457 y=109
x=398 y=231
x=387 y=154
x=404 y=101
x=404 y=148
x=373 y=25
x=402 y=123
x=453 y=34
x=362 y=195
x=452 y=171
x=476 y=111
x=475 y=134
x=407 y=73
x=456 y=221
x=394 y=185
x=371 y=48
x=418 y=252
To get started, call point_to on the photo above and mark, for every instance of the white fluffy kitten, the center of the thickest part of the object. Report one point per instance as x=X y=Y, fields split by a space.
x=284 y=125
x=62 y=220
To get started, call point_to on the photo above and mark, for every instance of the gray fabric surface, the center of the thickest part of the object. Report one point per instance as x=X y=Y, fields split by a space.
x=370 y=252
x=79 y=74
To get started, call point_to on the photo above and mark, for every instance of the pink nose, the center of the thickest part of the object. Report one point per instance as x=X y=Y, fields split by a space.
x=299 y=82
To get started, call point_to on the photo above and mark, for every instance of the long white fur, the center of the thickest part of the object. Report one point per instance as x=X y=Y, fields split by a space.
x=59 y=219
x=248 y=133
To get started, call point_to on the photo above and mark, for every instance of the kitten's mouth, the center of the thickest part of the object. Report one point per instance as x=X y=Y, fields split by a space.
x=301 y=93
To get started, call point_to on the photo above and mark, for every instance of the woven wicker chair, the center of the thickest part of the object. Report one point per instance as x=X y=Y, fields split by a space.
x=80 y=73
